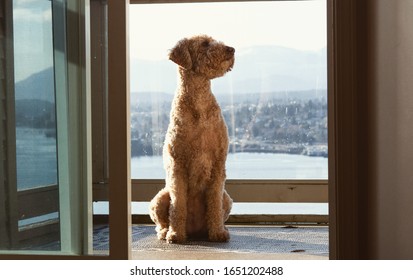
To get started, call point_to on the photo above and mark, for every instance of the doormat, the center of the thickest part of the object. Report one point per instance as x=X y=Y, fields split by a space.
x=268 y=239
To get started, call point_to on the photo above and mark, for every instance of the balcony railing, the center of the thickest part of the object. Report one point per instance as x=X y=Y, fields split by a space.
x=249 y=191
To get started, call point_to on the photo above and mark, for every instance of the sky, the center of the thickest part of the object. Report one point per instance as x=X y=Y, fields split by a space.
x=155 y=28
x=33 y=41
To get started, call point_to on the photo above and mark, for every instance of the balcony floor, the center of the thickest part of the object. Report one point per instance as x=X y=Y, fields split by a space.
x=247 y=242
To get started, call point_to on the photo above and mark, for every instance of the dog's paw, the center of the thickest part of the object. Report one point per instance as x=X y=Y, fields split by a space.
x=219 y=236
x=174 y=237
x=162 y=234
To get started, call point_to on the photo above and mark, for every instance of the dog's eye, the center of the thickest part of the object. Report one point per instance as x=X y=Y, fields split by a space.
x=205 y=44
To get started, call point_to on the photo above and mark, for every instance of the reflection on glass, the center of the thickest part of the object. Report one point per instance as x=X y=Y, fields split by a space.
x=37 y=198
x=274 y=101
x=44 y=206
x=34 y=92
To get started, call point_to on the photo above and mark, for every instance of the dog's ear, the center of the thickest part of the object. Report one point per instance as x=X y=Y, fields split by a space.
x=180 y=54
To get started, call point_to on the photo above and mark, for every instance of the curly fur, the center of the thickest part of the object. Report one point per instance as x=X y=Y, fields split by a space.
x=194 y=203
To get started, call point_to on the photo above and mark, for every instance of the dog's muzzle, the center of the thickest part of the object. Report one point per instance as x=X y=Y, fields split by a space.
x=229 y=52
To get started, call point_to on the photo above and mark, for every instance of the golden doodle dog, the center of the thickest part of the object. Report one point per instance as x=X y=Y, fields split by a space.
x=194 y=203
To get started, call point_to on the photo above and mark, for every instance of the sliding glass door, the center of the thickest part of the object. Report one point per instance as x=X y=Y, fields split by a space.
x=45 y=139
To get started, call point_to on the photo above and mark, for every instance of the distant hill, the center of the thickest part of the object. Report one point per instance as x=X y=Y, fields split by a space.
x=38 y=86
x=257 y=69
x=262 y=70
x=275 y=69
x=156 y=99
x=150 y=97
x=277 y=97
x=35 y=100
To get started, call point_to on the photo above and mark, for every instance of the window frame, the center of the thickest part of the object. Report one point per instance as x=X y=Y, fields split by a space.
x=78 y=127
x=9 y=225
x=346 y=31
x=146 y=189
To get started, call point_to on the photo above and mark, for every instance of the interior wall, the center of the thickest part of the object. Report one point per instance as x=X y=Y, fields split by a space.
x=389 y=196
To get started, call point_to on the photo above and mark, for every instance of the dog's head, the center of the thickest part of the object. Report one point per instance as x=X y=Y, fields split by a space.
x=204 y=56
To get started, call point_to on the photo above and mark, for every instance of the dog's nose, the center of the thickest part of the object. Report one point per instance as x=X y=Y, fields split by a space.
x=230 y=50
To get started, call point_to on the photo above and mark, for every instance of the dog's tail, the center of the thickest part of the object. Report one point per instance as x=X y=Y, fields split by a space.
x=226 y=205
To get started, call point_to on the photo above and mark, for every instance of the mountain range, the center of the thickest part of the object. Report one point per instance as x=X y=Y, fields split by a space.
x=39 y=86
x=260 y=69
x=256 y=69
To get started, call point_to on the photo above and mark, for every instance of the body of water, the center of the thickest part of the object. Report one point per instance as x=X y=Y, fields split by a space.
x=247 y=166
x=36 y=158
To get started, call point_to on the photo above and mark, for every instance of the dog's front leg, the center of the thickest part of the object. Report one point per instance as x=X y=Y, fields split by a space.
x=177 y=210
x=217 y=232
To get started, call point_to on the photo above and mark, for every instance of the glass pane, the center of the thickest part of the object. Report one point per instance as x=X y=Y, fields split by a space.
x=42 y=207
x=274 y=100
x=35 y=94
x=35 y=109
